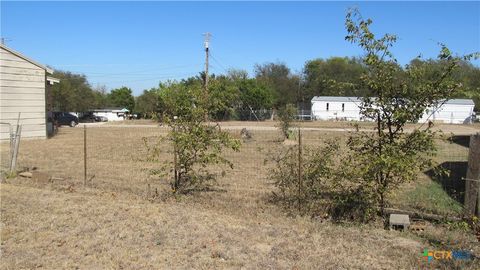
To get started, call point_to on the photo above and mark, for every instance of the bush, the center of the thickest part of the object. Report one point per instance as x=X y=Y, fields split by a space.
x=328 y=186
x=314 y=190
x=196 y=142
x=286 y=116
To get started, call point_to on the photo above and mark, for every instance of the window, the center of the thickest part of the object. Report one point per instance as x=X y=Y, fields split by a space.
x=343 y=107
x=327 y=106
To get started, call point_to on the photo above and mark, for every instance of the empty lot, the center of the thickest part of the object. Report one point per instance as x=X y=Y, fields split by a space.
x=115 y=221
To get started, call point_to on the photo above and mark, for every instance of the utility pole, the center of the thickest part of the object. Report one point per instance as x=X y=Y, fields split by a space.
x=207 y=43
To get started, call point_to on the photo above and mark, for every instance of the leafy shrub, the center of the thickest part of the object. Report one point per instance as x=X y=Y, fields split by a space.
x=314 y=190
x=286 y=116
x=196 y=142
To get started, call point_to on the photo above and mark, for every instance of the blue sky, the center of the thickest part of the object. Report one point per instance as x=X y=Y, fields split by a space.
x=138 y=44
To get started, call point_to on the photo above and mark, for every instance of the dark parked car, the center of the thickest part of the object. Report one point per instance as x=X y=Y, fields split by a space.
x=88 y=118
x=101 y=118
x=65 y=118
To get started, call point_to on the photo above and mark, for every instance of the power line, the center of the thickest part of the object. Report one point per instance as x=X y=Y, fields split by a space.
x=139 y=76
x=151 y=79
x=218 y=62
x=139 y=72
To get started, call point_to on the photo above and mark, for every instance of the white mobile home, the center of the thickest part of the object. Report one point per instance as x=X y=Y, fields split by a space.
x=336 y=108
x=455 y=111
x=22 y=91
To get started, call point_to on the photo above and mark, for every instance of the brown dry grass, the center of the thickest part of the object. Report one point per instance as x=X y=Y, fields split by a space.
x=110 y=224
x=267 y=125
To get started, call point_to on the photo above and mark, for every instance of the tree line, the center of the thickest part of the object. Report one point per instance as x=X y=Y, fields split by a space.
x=272 y=86
x=75 y=94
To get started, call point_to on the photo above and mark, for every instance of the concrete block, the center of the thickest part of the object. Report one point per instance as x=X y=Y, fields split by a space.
x=399 y=221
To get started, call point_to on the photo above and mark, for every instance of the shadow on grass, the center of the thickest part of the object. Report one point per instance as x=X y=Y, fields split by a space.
x=450 y=176
x=463 y=140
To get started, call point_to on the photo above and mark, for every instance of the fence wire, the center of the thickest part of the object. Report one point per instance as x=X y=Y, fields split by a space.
x=118 y=158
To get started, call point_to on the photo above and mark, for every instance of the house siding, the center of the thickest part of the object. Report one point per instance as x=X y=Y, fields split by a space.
x=22 y=90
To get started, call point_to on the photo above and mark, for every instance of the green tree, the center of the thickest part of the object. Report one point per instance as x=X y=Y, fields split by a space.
x=196 y=143
x=285 y=85
x=254 y=95
x=335 y=76
x=354 y=182
x=100 y=97
x=73 y=93
x=148 y=103
x=383 y=160
x=466 y=74
x=122 y=97
x=223 y=94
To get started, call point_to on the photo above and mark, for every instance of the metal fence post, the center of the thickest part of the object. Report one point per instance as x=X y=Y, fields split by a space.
x=300 y=180
x=13 y=162
x=84 y=155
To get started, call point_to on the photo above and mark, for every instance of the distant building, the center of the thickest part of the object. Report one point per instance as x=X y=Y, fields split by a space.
x=22 y=91
x=455 y=111
x=340 y=108
x=112 y=114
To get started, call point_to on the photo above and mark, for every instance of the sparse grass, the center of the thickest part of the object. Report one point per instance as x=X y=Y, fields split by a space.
x=90 y=229
x=447 y=128
x=429 y=196
x=111 y=224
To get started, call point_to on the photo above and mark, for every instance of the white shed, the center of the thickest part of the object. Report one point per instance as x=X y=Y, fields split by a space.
x=454 y=111
x=22 y=90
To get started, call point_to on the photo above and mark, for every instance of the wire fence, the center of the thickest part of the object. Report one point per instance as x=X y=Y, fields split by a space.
x=258 y=115
x=452 y=160
x=119 y=158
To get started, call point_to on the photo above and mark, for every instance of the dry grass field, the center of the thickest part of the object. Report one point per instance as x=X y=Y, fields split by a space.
x=52 y=221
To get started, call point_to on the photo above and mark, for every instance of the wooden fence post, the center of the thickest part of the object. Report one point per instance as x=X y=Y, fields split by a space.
x=472 y=182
